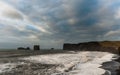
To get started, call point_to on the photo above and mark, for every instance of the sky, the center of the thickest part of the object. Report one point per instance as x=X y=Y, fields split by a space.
x=50 y=23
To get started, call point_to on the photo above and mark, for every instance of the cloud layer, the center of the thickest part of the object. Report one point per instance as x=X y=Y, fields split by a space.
x=53 y=22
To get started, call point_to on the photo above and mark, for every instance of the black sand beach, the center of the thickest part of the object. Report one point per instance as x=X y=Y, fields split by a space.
x=30 y=68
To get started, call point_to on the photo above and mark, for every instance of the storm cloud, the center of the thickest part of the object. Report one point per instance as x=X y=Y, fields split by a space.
x=54 y=22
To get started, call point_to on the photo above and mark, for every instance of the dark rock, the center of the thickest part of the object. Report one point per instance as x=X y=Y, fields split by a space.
x=90 y=46
x=119 y=50
x=36 y=47
x=22 y=48
x=52 y=48
x=28 y=48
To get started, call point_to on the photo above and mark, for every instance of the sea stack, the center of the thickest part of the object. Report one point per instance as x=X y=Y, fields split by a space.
x=36 y=47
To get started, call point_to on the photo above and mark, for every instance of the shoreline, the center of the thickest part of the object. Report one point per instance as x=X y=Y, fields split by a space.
x=110 y=68
x=69 y=63
x=118 y=70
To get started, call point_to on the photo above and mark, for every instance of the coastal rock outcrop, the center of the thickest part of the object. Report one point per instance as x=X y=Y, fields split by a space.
x=94 y=46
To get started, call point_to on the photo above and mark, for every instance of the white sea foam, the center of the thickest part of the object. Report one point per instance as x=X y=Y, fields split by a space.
x=85 y=63
x=92 y=67
x=6 y=67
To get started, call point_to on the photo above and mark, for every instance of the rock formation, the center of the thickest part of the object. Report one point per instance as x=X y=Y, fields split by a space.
x=82 y=46
x=36 y=47
x=68 y=46
x=119 y=50
x=22 y=48
x=92 y=46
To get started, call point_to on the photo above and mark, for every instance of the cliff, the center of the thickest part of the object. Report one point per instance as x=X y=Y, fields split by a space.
x=106 y=46
x=110 y=43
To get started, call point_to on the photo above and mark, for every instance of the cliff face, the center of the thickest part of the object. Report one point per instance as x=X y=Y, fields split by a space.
x=106 y=46
x=110 y=43
x=68 y=46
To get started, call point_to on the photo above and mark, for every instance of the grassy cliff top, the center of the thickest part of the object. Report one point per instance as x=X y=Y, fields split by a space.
x=110 y=43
